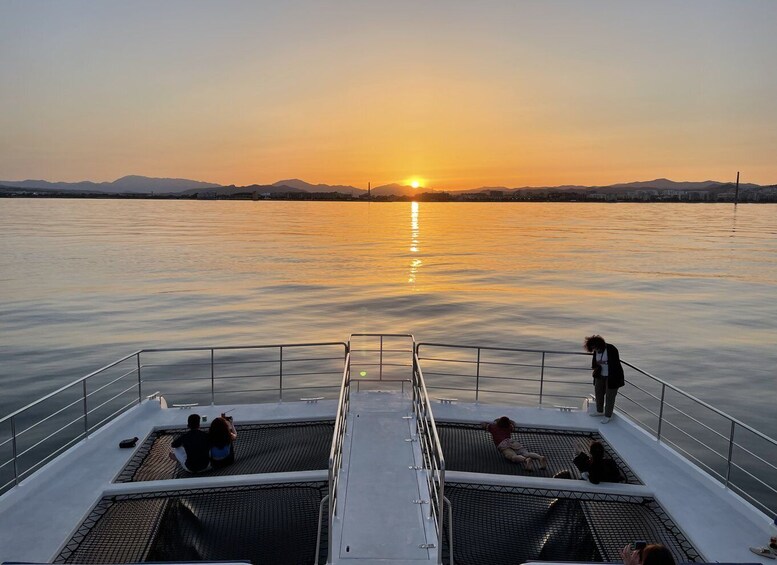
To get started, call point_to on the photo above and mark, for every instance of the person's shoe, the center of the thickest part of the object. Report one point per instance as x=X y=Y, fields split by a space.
x=527 y=466
x=605 y=420
x=544 y=462
x=596 y=414
x=763 y=552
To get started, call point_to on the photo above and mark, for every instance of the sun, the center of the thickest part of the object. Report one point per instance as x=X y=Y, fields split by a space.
x=415 y=182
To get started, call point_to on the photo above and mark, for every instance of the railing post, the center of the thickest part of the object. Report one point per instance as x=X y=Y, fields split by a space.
x=477 y=377
x=730 y=452
x=212 y=377
x=280 y=372
x=13 y=443
x=661 y=412
x=140 y=382
x=542 y=376
x=441 y=511
x=381 y=358
x=86 y=411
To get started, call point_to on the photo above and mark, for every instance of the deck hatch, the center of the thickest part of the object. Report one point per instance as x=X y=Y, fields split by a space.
x=468 y=448
x=261 y=448
x=502 y=524
x=260 y=523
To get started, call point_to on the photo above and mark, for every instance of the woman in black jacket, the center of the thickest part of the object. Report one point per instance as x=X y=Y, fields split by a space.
x=608 y=374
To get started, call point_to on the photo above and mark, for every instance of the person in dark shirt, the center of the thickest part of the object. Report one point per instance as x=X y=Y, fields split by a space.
x=192 y=449
x=597 y=468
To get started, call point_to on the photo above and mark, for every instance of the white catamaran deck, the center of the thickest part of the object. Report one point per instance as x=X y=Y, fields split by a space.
x=377 y=518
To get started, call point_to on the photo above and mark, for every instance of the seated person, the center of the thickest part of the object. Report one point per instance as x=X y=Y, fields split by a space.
x=653 y=554
x=222 y=435
x=512 y=449
x=192 y=449
x=595 y=467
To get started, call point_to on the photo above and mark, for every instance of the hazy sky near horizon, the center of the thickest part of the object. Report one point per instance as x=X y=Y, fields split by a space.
x=460 y=94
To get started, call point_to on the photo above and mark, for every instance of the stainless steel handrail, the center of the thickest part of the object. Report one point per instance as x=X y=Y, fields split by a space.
x=431 y=451
x=67 y=386
x=336 y=451
x=662 y=421
x=82 y=395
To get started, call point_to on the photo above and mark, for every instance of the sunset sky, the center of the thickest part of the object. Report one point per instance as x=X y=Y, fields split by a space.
x=459 y=94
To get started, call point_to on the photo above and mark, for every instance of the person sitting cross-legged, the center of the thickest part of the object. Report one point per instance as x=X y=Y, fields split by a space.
x=192 y=449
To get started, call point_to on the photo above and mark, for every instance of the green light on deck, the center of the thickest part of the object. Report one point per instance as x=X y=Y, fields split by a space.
x=363 y=373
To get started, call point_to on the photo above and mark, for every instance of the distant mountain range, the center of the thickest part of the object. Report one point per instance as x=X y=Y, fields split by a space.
x=135 y=184
x=130 y=184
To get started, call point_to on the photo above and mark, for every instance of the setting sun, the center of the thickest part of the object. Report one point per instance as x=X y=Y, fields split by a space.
x=415 y=182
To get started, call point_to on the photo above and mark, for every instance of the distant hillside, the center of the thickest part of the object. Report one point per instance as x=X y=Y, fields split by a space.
x=316 y=188
x=129 y=184
x=135 y=184
x=657 y=184
x=250 y=189
x=396 y=189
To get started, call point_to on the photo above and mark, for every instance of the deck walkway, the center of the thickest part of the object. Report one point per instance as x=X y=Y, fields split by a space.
x=381 y=519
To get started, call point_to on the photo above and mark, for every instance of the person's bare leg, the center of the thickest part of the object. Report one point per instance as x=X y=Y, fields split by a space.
x=541 y=458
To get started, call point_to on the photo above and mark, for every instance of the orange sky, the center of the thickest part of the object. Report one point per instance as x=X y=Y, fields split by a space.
x=457 y=93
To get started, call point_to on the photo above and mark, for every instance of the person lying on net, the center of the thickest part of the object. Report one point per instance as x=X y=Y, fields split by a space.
x=513 y=450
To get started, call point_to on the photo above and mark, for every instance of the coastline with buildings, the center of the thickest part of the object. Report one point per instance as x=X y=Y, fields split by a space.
x=764 y=194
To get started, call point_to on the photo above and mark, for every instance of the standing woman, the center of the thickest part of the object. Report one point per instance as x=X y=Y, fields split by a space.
x=608 y=374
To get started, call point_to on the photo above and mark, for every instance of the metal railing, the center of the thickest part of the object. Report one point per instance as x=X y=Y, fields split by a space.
x=431 y=449
x=737 y=455
x=433 y=458
x=740 y=457
x=336 y=454
x=36 y=433
x=393 y=363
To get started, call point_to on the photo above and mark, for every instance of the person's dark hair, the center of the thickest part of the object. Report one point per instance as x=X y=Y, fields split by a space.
x=504 y=422
x=594 y=343
x=597 y=450
x=219 y=433
x=656 y=554
x=194 y=421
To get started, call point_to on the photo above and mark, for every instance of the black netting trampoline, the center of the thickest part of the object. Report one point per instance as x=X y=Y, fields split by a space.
x=261 y=524
x=260 y=448
x=468 y=447
x=510 y=525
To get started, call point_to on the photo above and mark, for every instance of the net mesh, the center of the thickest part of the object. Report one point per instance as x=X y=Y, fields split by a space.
x=260 y=448
x=260 y=523
x=508 y=525
x=468 y=447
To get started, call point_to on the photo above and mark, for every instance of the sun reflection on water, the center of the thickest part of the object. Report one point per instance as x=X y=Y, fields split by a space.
x=415 y=262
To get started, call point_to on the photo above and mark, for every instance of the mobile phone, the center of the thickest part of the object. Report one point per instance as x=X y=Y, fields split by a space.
x=638 y=545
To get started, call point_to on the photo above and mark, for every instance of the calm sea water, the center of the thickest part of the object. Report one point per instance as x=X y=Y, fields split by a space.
x=687 y=292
